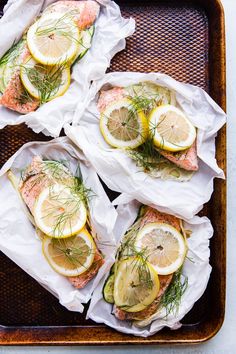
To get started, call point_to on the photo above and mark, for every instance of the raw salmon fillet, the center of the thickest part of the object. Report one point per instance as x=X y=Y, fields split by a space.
x=82 y=280
x=108 y=97
x=186 y=159
x=151 y=215
x=83 y=12
x=34 y=180
x=15 y=96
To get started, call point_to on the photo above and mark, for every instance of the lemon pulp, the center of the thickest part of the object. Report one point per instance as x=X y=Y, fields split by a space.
x=164 y=247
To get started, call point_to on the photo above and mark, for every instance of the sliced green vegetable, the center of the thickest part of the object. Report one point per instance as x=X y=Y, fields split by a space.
x=9 y=62
x=85 y=43
x=108 y=289
x=2 y=86
x=8 y=72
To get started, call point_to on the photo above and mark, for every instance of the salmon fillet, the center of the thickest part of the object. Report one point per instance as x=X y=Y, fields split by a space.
x=33 y=182
x=34 y=179
x=82 y=280
x=108 y=97
x=186 y=159
x=122 y=315
x=15 y=97
x=151 y=215
x=84 y=13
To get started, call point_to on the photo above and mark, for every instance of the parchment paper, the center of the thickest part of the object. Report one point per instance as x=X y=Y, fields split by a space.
x=111 y=29
x=196 y=268
x=18 y=239
x=120 y=172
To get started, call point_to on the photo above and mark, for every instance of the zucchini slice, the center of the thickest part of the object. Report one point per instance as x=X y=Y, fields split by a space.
x=85 y=43
x=108 y=289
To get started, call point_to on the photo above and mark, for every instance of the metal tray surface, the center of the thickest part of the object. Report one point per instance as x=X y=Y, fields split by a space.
x=186 y=40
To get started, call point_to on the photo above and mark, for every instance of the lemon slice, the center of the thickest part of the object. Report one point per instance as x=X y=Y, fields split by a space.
x=45 y=82
x=71 y=256
x=171 y=129
x=136 y=285
x=164 y=247
x=59 y=212
x=53 y=39
x=122 y=126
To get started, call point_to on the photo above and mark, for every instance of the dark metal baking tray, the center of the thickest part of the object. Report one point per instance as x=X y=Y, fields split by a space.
x=186 y=40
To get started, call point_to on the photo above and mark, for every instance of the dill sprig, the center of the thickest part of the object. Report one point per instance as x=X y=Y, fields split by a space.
x=140 y=257
x=70 y=204
x=57 y=169
x=52 y=171
x=46 y=79
x=148 y=95
x=72 y=252
x=12 y=53
x=172 y=297
x=60 y=27
x=146 y=156
x=24 y=97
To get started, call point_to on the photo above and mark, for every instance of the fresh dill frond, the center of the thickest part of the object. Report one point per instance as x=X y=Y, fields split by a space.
x=127 y=249
x=57 y=169
x=12 y=53
x=148 y=95
x=46 y=79
x=173 y=295
x=60 y=27
x=24 y=97
x=73 y=253
x=146 y=156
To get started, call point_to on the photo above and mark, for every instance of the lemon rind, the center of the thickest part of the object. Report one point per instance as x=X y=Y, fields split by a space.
x=72 y=273
x=115 y=142
x=158 y=140
x=176 y=265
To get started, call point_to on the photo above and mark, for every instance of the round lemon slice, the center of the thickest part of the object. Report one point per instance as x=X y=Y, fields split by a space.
x=171 y=129
x=53 y=39
x=122 y=126
x=44 y=82
x=136 y=285
x=164 y=247
x=71 y=256
x=59 y=212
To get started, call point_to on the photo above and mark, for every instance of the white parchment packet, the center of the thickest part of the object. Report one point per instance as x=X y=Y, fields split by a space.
x=196 y=268
x=120 y=172
x=18 y=239
x=111 y=29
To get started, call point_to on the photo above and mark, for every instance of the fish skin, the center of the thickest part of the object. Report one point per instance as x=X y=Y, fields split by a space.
x=87 y=11
x=82 y=280
x=151 y=215
x=34 y=180
x=12 y=95
x=186 y=159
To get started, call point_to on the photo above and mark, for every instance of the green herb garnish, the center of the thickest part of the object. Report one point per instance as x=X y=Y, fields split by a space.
x=172 y=297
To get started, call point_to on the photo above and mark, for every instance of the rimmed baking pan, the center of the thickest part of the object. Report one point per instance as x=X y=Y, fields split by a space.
x=186 y=40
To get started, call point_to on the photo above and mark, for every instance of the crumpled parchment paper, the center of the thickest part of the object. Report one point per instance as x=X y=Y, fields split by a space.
x=18 y=238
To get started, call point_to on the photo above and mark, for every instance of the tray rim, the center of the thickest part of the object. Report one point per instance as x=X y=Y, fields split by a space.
x=72 y=335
